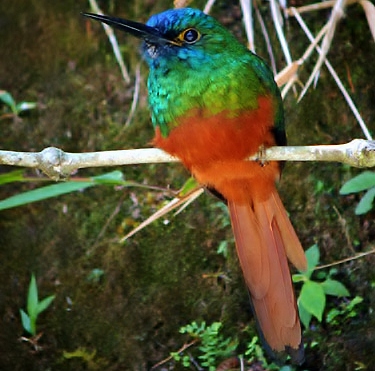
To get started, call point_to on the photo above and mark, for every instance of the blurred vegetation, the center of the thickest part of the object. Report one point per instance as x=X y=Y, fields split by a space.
x=121 y=306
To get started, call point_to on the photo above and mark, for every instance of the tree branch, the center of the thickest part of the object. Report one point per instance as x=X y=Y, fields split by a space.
x=58 y=164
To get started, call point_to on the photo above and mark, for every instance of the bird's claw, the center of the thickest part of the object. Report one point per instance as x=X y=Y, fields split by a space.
x=261 y=156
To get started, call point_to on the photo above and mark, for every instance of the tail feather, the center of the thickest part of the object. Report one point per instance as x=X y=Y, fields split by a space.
x=293 y=248
x=264 y=237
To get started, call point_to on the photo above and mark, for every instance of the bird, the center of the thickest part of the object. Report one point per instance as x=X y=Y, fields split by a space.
x=213 y=104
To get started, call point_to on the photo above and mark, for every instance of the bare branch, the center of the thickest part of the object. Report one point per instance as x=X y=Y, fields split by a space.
x=58 y=164
x=318 y=6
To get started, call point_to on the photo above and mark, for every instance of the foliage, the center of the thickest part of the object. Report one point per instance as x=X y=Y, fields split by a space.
x=54 y=190
x=345 y=311
x=255 y=353
x=90 y=359
x=12 y=106
x=362 y=182
x=214 y=348
x=95 y=275
x=213 y=345
x=312 y=299
x=34 y=307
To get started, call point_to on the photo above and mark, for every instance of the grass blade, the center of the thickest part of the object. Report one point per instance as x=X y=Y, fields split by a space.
x=43 y=193
x=45 y=303
x=26 y=324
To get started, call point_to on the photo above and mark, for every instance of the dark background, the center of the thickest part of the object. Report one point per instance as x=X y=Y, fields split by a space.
x=169 y=274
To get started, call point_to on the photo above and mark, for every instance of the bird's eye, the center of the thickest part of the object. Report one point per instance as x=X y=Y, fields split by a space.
x=189 y=36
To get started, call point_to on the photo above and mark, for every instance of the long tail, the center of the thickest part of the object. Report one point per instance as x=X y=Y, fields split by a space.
x=264 y=239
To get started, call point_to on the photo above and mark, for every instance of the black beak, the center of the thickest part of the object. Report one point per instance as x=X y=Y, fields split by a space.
x=140 y=30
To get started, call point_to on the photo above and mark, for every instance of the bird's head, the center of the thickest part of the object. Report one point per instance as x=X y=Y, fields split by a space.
x=184 y=34
x=194 y=62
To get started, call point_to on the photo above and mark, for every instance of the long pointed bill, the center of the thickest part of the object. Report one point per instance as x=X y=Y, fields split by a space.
x=140 y=30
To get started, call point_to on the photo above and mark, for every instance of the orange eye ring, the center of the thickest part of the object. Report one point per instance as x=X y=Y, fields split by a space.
x=189 y=36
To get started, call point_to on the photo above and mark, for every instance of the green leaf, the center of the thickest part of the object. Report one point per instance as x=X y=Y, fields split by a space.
x=359 y=183
x=188 y=186
x=331 y=316
x=186 y=361
x=25 y=106
x=366 y=202
x=6 y=98
x=95 y=275
x=45 y=303
x=114 y=177
x=25 y=319
x=304 y=315
x=43 y=193
x=175 y=355
x=298 y=277
x=12 y=176
x=335 y=288
x=223 y=248
x=344 y=312
x=357 y=300
x=32 y=299
x=286 y=368
x=312 y=256
x=313 y=298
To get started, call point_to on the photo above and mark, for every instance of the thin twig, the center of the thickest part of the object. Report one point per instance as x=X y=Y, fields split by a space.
x=358 y=256
x=276 y=17
x=208 y=6
x=266 y=38
x=183 y=348
x=289 y=75
x=112 y=39
x=369 y=9
x=137 y=85
x=336 y=15
x=248 y=21
x=173 y=204
x=336 y=78
x=317 y=6
x=181 y=3
x=344 y=227
x=106 y=225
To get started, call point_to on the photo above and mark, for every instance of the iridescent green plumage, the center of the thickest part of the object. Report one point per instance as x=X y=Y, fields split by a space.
x=215 y=72
x=213 y=104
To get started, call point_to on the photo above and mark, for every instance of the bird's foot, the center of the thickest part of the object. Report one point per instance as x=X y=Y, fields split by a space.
x=261 y=156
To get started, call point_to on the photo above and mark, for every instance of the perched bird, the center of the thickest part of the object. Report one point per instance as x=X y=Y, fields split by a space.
x=214 y=104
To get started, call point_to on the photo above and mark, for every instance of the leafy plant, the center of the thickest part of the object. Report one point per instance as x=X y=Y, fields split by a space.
x=34 y=307
x=255 y=353
x=312 y=299
x=362 y=182
x=15 y=108
x=345 y=311
x=213 y=346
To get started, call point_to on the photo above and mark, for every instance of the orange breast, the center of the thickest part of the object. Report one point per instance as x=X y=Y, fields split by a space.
x=214 y=149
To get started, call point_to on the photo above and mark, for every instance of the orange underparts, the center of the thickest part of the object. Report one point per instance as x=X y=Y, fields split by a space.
x=214 y=149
